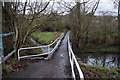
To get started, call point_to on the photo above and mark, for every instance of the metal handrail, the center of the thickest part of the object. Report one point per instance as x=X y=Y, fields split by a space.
x=73 y=61
x=49 y=53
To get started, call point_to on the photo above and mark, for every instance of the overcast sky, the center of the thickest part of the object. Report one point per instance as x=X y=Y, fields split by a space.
x=105 y=5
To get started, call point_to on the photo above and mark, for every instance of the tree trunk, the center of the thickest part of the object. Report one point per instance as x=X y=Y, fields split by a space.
x=119 y=25
x=119 y=17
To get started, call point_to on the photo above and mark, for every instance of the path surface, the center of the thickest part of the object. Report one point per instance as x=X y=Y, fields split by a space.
x=0 y=71
x=57 y=67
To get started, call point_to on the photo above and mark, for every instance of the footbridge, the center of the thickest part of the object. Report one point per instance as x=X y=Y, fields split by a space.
x=60 y=61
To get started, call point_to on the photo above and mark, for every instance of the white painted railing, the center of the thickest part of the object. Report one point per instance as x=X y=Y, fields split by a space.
x=49 y=53
x=73 y=63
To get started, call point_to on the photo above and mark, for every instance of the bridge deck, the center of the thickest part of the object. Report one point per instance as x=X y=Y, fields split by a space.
x=57 y=67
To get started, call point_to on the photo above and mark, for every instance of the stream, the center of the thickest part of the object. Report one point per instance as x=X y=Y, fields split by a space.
x=100 y=59
x=44 y=50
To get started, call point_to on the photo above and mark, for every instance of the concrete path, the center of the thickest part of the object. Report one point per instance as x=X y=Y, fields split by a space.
x=57 y=67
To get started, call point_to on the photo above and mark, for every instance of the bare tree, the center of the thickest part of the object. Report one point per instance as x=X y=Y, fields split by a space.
x=82 y=16
x=24 y=18
x=119 y=17
x=117 y=5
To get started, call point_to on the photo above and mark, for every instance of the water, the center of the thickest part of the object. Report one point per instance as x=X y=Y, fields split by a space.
x=44 y=50
x=100 y=59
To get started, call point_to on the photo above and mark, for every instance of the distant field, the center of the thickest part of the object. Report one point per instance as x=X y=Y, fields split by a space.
x=45 y=37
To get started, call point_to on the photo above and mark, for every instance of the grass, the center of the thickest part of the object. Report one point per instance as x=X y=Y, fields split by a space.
x=100 y=72
x=102 y=49
x=7 y=69
x=45 y=37
x=112 y=48
x=30 y=43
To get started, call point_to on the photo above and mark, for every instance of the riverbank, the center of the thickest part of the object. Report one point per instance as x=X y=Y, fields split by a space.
x=98 y=72
x=102 y=49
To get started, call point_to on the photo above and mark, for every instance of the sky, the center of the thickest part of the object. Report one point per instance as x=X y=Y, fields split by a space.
x=105 y=5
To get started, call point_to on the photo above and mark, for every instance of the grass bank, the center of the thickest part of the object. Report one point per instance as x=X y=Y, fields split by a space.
x=100 y=72
x=45 y=37
x=103 y=49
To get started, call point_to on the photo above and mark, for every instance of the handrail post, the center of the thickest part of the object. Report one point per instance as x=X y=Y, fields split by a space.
x=18 y=55
x=2 y=52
